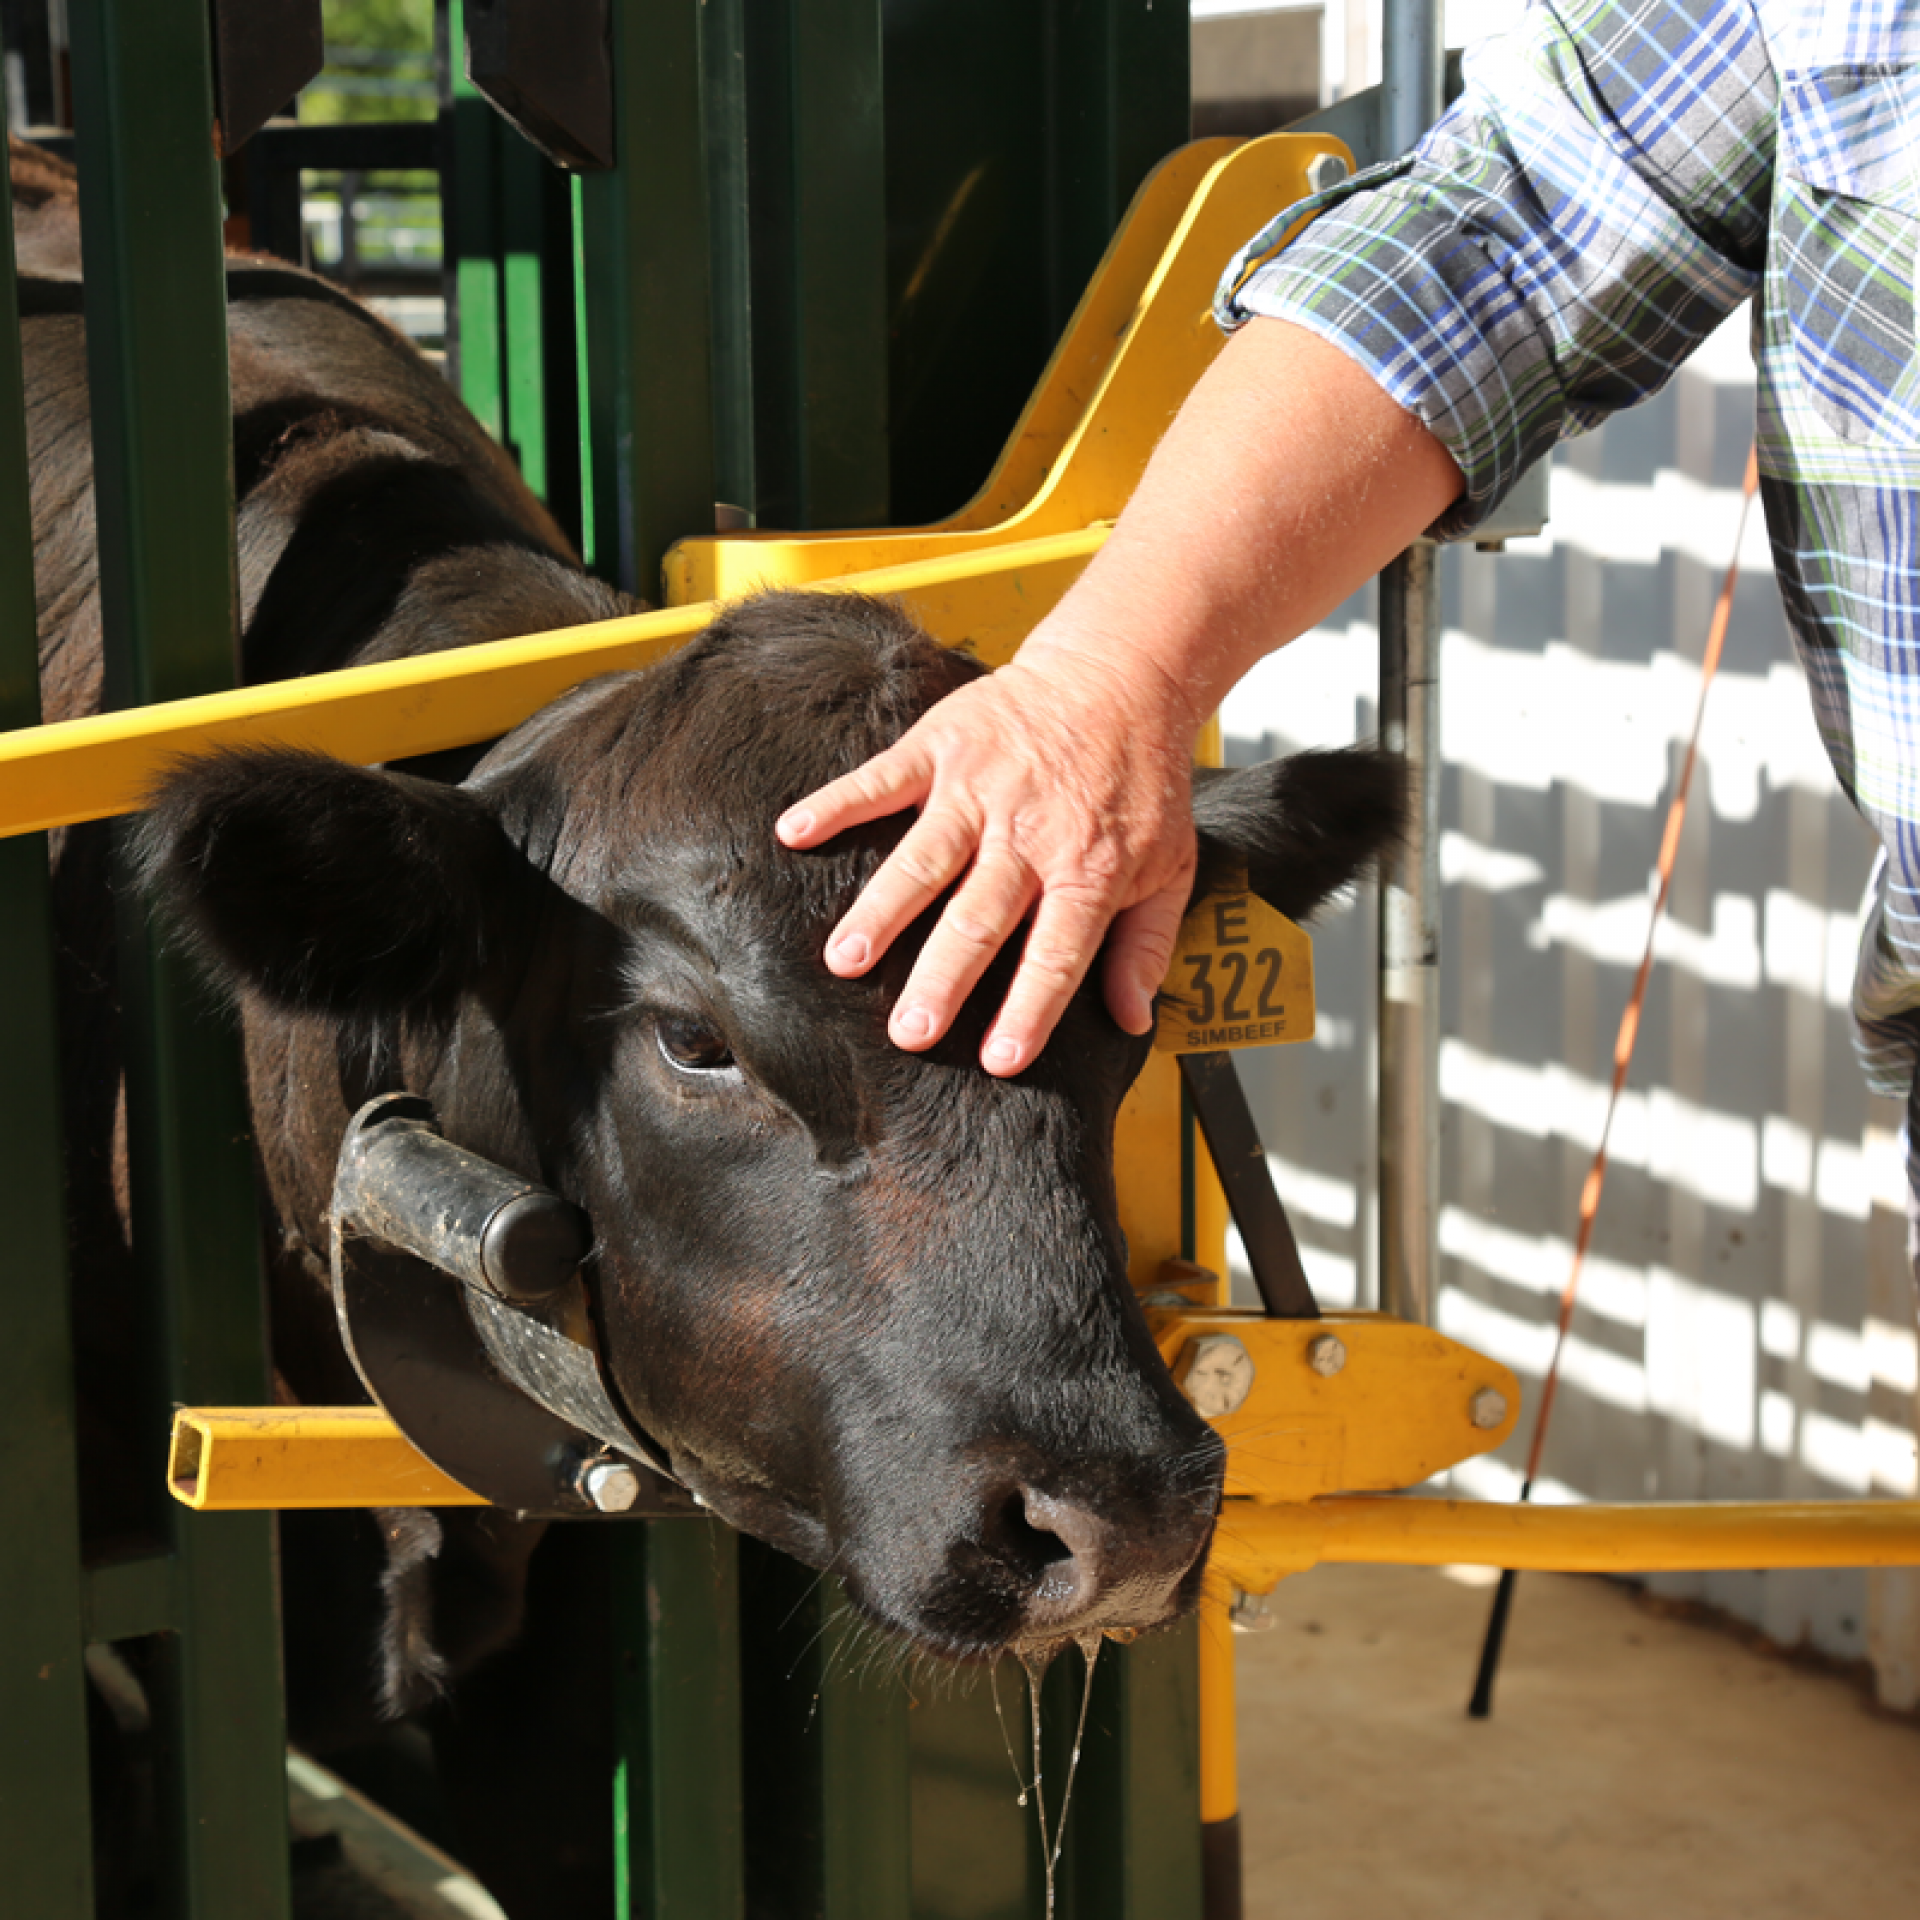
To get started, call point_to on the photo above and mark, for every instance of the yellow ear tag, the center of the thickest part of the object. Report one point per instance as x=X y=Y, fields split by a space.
x=1242 y=976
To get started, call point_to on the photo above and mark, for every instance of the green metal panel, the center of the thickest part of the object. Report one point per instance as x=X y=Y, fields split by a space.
x=646 y=308
x=817 y=154
x=1132 y=1844
x=677 y=1816
x=158 y=375
x=45 y=1840
x=1020 y=131
x=1121 y=87
x=976 y=1849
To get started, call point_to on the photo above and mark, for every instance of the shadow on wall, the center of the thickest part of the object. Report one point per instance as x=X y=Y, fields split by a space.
x=1747 y=1320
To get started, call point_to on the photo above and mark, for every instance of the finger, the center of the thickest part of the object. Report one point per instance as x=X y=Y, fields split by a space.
x=900 y=776
x=935 y=851
x=977 y=922
x=1060 y=947
x=1139 y=951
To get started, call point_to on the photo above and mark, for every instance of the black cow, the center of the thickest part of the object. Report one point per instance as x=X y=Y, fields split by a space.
x=874 y=1305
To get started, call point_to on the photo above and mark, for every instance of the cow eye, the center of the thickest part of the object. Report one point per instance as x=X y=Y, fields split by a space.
x=692 y=1045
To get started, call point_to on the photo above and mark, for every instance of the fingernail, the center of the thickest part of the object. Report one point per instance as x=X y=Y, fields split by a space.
x=791 y=826
x=852 y=950
x=912 y=1023
x=1002 y=1052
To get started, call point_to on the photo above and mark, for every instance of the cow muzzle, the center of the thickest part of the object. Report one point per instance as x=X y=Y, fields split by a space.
x=1036 y=1551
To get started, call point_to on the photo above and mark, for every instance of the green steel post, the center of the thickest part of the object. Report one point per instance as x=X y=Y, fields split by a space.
x=829 y=1801
x=523 y=175
x=646 y=385
x=646 y=479
x=157 y=365
x=976 y=1848
x=677 y=1821
x=1134 y=1836
x=471 y=228
x=819 y=231
x=45 y=1836
x=723 y=67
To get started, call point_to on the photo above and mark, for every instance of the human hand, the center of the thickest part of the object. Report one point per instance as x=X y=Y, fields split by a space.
x=1060 y=785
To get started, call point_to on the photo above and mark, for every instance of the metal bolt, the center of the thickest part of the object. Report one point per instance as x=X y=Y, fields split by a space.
x=1216 y=1374
x=1251 y=1612
x=1487 y=1408
x=1325 y=170
x=1326 y=1354
x=611 y=1485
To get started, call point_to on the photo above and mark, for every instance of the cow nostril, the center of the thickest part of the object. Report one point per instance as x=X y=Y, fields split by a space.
x=1035 y=1547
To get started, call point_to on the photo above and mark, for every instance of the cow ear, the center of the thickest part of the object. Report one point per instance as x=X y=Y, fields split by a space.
x=1301 y=829
x=323 y=887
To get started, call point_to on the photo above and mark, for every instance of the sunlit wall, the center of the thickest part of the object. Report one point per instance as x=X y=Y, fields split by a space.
x=1746 y=1327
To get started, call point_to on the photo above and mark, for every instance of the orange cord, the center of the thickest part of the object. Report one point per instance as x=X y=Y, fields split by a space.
x=1630 y=1019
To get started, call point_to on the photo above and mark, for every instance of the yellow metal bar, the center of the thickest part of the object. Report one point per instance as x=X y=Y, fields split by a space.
x=248 y=1458
x=1219 y=1712
x=261 y=1457
x=1258 y=1545
x=1101 y=408
x=105 y=764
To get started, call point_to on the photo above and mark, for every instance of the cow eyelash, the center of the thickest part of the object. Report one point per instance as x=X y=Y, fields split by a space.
x=692 y=1046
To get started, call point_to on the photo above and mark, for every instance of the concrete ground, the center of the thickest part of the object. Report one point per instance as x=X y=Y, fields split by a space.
x=1635 y=1765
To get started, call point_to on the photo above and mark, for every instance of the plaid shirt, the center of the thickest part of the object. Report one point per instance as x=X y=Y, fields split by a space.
x=1618 y=176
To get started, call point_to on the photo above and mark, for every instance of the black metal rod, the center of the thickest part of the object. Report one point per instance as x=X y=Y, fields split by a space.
x=1481 y=1705
x=1220 y=1105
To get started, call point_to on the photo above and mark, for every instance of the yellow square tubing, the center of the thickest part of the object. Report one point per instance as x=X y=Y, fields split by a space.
x=226 y=1459
x=88 y=769
x=1259 y=1545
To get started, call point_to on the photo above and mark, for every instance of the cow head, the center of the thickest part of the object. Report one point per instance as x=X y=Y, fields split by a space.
x=874 y=1305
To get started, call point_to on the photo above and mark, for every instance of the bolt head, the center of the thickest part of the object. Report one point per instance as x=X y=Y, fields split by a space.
x=1326 y=1354
x=1326 y=170
x=1215 y=1372
x=1487 y=1408
x=1252 y=1612
x=611 y=1485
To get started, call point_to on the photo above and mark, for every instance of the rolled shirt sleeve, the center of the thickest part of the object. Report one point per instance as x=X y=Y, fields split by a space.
x=1588 y=211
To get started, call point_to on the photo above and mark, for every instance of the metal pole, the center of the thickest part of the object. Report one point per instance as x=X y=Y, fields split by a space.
x=1413 y=61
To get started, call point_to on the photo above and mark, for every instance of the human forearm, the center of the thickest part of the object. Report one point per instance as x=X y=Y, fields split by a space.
x=1286 y=482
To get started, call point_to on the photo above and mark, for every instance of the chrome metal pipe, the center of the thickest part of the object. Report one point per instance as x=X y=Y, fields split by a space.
x=1409 y=986
x=1413 y=62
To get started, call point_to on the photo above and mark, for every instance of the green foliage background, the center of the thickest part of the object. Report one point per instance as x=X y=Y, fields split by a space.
x=349 y=88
